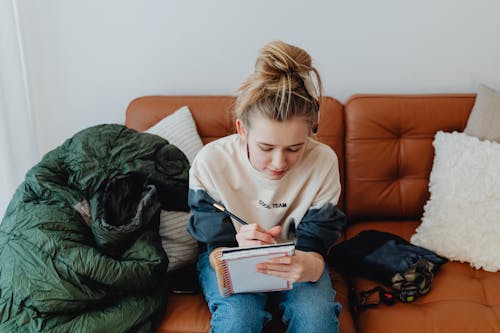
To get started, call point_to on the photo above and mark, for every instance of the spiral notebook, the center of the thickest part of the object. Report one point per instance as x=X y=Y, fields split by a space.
x=236 y=269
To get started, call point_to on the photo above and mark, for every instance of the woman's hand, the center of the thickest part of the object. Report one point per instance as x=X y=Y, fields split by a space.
x=214 y=255
x=301 y=267
x=249 y=235
x=253 y=234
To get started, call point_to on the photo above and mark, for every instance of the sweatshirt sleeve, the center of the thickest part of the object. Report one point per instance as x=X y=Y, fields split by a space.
x=323 y=223
x=320 y=228
x=209 y=225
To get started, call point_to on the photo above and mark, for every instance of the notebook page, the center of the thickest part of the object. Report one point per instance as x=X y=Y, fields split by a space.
x=245 y=278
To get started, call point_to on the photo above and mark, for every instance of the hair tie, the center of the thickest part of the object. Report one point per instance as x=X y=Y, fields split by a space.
x=309 y=85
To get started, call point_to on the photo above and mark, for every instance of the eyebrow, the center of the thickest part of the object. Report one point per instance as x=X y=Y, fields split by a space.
x=270 y=145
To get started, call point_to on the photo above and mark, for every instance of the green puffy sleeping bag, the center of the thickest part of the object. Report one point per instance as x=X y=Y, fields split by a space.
x=59 y=273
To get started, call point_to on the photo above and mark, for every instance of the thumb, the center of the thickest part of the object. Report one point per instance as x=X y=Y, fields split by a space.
x=274 y=231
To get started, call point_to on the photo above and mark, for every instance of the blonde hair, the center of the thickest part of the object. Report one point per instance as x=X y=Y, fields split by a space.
x=281 y=86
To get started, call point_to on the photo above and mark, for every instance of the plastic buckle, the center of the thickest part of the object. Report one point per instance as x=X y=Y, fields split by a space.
x=381 y=296
x=387 y=297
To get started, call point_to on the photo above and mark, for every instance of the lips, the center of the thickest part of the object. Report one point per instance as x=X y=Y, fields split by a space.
x=277 y=173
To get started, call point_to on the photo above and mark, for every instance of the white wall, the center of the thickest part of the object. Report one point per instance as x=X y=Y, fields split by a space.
x=18 y=147
x=87 y=59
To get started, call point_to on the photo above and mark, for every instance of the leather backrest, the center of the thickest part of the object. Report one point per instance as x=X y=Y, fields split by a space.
x=213 y=117
x=389 y=153
x=212 y=114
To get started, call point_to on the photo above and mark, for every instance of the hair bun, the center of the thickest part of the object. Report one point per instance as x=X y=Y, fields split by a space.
x=282 y=85
x=281 y=66
x=279 y=61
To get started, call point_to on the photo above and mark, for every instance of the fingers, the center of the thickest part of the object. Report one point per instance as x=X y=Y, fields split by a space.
x=253 y=234
x=290 y=276
x=274 y=231
x=286 y=260
x=214 y=255
x=284 y=271
x=279 y=264
x=302 y=266
x=266 y=268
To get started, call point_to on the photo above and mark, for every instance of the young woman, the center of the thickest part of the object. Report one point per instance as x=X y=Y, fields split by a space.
x=273 y=174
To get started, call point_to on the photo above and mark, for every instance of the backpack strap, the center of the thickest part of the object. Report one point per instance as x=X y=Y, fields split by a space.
x=373 y=297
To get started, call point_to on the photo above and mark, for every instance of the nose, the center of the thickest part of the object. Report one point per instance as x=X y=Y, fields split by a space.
x=279 y=160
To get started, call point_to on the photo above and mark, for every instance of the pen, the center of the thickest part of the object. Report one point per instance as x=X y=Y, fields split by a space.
x=223 y=209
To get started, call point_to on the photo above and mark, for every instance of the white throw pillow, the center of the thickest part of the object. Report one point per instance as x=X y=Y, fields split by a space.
x=179 y=129
x=484 y=120
x=180 y=247
x=461 y=219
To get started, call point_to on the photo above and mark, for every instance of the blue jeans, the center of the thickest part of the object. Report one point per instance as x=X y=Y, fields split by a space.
x=308 y=307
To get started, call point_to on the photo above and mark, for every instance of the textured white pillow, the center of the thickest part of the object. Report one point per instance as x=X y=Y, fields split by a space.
x=179 y=129
x=484 y=120
x=461 y=219
x=177 y=243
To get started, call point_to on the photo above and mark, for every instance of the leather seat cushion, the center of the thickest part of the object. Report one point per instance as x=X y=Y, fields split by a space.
x=459 y=296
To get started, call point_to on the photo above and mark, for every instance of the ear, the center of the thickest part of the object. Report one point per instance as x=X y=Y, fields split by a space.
x=241 y=128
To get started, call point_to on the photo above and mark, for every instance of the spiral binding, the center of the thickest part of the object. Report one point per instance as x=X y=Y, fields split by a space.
x=223 y=276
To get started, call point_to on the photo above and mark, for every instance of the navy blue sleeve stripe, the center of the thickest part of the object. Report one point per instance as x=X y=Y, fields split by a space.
x=320 y=228
x=207 y=224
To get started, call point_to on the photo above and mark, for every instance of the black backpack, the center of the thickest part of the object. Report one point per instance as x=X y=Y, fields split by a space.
x=389 y=259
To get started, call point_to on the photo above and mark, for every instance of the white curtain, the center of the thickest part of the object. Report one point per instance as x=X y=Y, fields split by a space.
x=18 y=148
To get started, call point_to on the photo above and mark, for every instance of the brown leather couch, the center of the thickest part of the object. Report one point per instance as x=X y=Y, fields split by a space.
x=384 y=145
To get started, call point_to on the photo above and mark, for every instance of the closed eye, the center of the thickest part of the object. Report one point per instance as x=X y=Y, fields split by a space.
x=292 y=149
x=266 y=147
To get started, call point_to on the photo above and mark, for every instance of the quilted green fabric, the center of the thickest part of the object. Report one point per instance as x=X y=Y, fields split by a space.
x=54 y=273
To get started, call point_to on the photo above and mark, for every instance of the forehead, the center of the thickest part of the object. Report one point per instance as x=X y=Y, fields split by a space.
x=287 y=132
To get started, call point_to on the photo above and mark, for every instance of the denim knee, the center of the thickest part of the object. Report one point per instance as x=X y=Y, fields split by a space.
x=238 y=313
x=313 y=318
x=310 y=307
